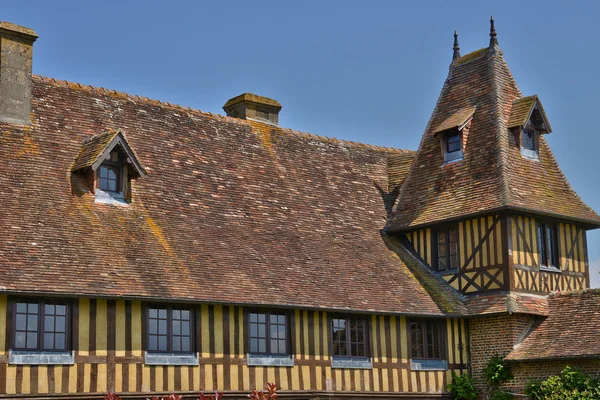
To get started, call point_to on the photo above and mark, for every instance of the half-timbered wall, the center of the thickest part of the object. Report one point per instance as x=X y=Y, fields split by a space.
x=108 y=337
x=481 y=262
x=573 y=271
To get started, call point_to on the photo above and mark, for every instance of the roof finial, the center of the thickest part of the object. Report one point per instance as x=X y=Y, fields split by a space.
x=493 y=40
x=456 y=49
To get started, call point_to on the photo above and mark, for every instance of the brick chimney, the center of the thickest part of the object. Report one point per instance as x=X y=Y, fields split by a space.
x=16 y=52
x=251 y=106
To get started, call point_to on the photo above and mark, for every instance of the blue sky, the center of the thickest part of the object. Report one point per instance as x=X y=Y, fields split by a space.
x=367 y=71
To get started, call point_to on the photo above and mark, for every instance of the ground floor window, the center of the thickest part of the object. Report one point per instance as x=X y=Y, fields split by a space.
x=170 y=329
x=41 y=326
x=349 y=336
x=268 y=333
x=427 y=339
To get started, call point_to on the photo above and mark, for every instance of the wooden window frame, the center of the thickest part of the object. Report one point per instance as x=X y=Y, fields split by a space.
x=548 y=255
x=441 y=343
x=268 y=313
x=348 y=341
x=118 y=166
x=41 y=303
x=534 y=139
x=448 y=136
x=169 y=308
x=448 y=256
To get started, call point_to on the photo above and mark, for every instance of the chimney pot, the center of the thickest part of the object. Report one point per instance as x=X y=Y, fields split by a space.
x=16 y=55
x=252 y=106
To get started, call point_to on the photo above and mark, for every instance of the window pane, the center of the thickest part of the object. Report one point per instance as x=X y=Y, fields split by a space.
x=185 y=328
x=20 y=340
x=60 y=324
x=49 y=309
x=60 y=341
x=162 y=327
x=253 y=330
x=185 y=314
x=61 y=310
x=185 y=344
x=262 y=331
x=281 y=319
x=32 y=308
x=274 y=346
x=441 y=237
x=48 y=341
x=253 y=345
x=453 y=235
x=176 y=314
x=253 y=317
x=273 y=319
x=274 y=330
x=162 y=313
x=281 y=333
x=31 y=340
x=153 y=327
x=32 y=322
x=282 y=347
x=262 y=345
x=153 y=313
x=49 y=323
x=162 y=343
x=176 y=344
x=21 y=307
x=112 y=186
x=103 y=172
x=442 y=263
x=153 y=343
x=262 y=318
x=176 y=328
x=21 y=322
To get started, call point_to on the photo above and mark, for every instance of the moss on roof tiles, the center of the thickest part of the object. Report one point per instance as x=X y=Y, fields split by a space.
x=253 y=98
x=471 y=56
x=456 y=120
x=92 y=149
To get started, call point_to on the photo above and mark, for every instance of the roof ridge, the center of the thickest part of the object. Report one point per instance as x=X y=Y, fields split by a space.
x=327 y=139
x=501 y=131
x=574 y=292
x=171 y=106
x=123 y=95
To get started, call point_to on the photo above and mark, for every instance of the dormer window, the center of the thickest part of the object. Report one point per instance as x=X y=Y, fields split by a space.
x=453 y=133
x=109 y=162
x=528 y=121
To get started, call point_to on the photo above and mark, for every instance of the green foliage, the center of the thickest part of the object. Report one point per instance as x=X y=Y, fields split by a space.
x=571 y=384
x=501 y=395
x=497 y=372
x=462 y=387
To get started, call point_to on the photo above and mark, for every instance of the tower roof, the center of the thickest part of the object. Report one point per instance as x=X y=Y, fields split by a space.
x=493 y=175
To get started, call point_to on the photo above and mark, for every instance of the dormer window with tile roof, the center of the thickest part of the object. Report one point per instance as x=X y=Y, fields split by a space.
x=453 y=133
x=110 y=163
x=528 y=120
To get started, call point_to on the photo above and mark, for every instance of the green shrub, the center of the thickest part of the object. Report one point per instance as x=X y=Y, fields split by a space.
x=462 y=387
x=571 y=384
x=497 y=372
x=501 y=395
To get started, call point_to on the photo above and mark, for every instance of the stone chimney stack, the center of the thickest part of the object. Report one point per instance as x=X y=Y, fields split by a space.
x=251 y=106
x=16 y=53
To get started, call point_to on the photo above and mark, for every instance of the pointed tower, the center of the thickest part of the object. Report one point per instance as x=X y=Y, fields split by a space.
x=485 y=204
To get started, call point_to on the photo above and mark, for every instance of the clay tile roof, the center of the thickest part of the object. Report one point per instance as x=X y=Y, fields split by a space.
x=398 y=166
x=253 y=98
x=503 y=303
x=231 y=207
x=569 y=332
x=521 y=111
x=493 y=176
x=457 y=120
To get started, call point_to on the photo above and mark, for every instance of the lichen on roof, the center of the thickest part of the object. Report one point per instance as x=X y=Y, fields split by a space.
x=471 y=56
x=92 y=149
x=521 y=110
x=456 y=120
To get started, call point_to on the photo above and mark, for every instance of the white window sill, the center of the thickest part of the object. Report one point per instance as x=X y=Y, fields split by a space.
x=550 y=269
x=41 y=357
x=351 y=362
x=530 y=154
x=110 y=198
x=428 y=365
x=170 y=359
x=270 y=360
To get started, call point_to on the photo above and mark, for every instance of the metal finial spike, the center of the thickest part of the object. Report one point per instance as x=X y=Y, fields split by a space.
x=493 y=39
x=456 y=49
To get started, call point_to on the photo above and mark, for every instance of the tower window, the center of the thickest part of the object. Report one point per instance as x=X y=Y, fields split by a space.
x=547 y=245
x=528 y=140
x=447 y=249
x=453 y=143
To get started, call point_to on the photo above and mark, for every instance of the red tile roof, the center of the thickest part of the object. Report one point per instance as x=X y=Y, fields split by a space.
x=493 y=175
x=231 y=211
x=511 y=303
x=570 y=331
x=456 y=120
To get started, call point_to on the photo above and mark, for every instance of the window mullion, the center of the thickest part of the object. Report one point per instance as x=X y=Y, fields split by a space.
x=41 y=327
x=268 y=332
x=169 y=327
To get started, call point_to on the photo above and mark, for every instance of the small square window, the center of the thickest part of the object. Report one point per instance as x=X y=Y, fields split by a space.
x=268 y=333
x=349 y=336
x=169 y=330
x=427 y=339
